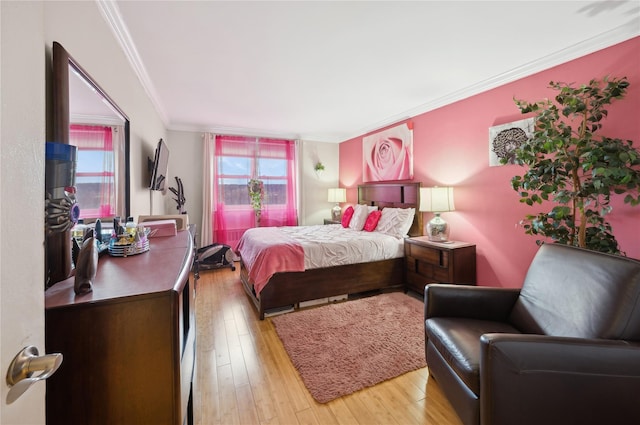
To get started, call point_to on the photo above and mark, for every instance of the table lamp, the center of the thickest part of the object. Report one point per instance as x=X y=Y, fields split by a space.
x=437 y=200
x=337 y=195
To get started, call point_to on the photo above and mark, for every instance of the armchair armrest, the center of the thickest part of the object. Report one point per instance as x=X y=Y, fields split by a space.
x=474 y=302
x=539 y=379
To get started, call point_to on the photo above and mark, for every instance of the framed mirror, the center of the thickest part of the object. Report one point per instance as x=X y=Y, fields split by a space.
x=85 y=116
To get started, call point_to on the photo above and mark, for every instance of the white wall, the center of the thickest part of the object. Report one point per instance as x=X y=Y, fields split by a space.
x=314 y=207
x=80 y=28
x=185 y=161
x=83 y=32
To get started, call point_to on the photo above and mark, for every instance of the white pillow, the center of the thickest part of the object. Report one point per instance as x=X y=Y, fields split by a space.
x=360 y=213
x=372 y=208
x=396 y=221
x=409 y=214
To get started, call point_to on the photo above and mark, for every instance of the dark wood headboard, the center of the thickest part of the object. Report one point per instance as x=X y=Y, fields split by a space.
x=394 y=195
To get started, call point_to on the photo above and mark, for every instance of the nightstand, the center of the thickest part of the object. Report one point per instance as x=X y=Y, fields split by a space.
x=437 y=262
x=329 y=221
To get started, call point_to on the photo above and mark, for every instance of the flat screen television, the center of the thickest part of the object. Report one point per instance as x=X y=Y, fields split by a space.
x=159 y=168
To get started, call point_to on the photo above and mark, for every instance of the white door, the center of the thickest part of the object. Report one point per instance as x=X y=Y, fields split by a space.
x=22 y=137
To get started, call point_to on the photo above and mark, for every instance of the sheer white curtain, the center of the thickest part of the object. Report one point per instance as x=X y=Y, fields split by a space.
x=119 y=158
x=208 y=196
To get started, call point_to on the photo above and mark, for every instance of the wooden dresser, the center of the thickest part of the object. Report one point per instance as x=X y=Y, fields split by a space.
x=128 y=346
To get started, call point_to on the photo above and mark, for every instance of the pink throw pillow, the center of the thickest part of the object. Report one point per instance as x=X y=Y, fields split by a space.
x=346 y=216
x=372 y=221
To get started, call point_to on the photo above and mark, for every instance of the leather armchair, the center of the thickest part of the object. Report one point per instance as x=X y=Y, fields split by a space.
x=563 y=349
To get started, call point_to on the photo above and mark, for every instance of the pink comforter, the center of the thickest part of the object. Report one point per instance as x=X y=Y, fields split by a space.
x=266 y=251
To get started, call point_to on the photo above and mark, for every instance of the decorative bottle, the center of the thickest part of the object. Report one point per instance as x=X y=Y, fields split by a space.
x=131 y=226
x=78 y=231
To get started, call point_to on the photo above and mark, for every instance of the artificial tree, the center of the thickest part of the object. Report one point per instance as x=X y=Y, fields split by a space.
x=574 y=167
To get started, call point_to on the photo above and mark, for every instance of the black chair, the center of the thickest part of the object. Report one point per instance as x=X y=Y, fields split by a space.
x=564 y=349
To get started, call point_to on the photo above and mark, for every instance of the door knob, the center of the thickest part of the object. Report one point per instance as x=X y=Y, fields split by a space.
x=20 y=374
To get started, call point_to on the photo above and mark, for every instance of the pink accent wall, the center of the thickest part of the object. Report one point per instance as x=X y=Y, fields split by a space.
x=451 y=147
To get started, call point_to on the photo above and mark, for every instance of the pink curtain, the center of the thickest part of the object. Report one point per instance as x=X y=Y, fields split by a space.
x=95 y=179
x=239 y=159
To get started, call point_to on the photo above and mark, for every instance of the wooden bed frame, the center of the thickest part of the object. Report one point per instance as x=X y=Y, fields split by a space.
x=290 y=288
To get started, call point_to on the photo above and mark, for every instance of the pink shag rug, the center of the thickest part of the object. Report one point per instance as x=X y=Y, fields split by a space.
x=341 y=348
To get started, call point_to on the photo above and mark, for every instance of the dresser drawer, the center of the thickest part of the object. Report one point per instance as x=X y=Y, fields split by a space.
x=428 y=255
x=428 y=269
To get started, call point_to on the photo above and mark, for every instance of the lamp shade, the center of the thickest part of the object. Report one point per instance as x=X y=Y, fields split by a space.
x=436 y=199
x=337 y=195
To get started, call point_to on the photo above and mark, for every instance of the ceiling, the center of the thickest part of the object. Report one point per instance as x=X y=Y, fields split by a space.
x=329 y=71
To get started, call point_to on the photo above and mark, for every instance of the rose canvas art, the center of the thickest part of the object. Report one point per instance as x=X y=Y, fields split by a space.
x=388 y=155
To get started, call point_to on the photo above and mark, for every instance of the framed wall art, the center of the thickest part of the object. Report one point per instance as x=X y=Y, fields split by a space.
x=388 y=154
x=505 y=138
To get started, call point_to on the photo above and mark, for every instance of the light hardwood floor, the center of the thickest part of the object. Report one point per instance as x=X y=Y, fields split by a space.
x=244 y=376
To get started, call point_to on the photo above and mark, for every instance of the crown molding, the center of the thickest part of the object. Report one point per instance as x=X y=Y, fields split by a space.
x=602 y=41
x=235 y=131
x=111 y=14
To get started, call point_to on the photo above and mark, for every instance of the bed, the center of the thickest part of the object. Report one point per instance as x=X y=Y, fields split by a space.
x=288 y=289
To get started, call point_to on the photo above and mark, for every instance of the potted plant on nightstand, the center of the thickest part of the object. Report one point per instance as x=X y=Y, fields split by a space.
x=574 y=168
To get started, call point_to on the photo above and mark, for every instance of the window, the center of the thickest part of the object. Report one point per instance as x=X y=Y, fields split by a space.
x=98 y=161
x=239 y=159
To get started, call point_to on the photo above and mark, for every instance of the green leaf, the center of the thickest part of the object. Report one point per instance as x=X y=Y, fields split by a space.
x=568 y=163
